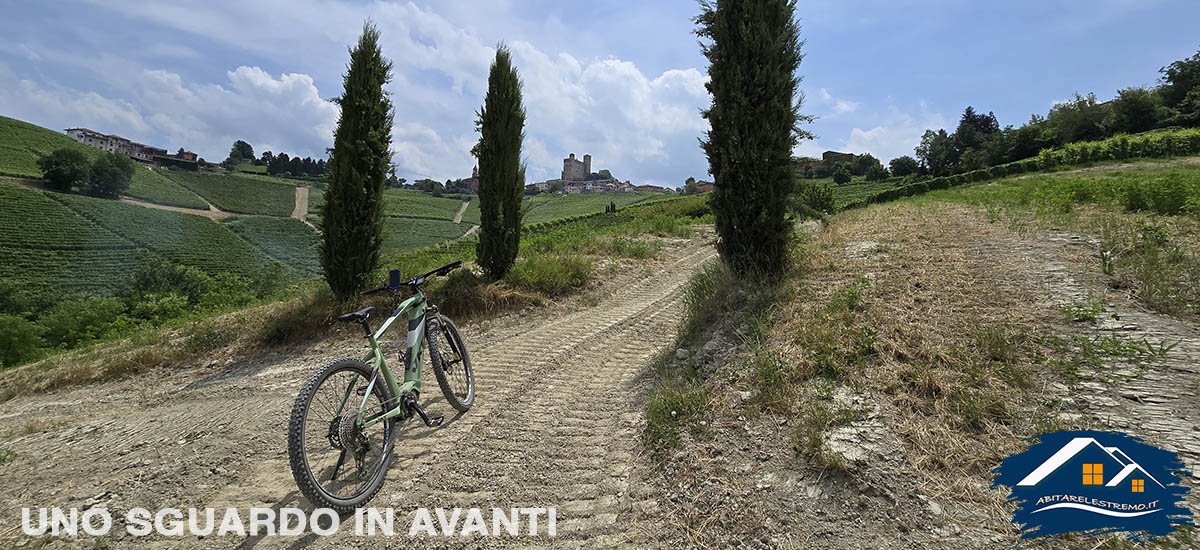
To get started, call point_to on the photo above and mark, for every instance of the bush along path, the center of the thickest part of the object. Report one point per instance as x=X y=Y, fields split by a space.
x=555 y=423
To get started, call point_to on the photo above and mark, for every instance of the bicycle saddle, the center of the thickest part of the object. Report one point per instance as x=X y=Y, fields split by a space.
x=358 y=316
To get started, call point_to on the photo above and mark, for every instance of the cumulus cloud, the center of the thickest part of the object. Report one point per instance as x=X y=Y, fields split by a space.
x=641 y=126
x=897 y=136
x=285 y=113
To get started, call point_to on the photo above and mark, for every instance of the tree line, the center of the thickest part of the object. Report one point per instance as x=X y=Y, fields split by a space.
x=978 y=141
x=277 y=164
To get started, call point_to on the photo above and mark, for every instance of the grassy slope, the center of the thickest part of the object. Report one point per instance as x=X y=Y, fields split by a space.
x=233 y=193
x=546 y=207
x=21 y=143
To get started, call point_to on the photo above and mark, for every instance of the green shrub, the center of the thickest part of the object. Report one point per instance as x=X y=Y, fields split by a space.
x=550 y=274
x=79 y=320
x=20 y=340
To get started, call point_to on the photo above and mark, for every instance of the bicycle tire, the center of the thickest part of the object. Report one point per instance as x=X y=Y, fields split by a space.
x=445 y=371
x=298 y=454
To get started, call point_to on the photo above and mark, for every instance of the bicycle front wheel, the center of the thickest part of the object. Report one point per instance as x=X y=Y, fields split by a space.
x=451 y=363
x=336 y=461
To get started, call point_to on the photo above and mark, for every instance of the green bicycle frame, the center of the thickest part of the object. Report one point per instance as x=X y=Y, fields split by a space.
x=416 y=307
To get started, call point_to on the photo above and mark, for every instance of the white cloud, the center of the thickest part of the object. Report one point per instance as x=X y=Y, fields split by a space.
x=832 y=106
x=897 y=136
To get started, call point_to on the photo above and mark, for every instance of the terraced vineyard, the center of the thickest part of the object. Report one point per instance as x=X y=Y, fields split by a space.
x=45 y=246
x=242 y=195
x=417 y=204
x=546 y=207
x=406 y=233
x=182 y=238
x=30 y=219
x=846 y=194
x=288 y=240
x=21 y=143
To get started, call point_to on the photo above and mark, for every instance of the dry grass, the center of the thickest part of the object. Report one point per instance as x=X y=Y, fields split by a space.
x=909 y=303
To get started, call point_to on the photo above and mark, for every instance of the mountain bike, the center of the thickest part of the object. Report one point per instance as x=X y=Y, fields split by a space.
x=340 y=432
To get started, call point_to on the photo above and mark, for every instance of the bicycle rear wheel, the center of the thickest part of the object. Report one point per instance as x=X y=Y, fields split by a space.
x=451 y=363
x=336 y=462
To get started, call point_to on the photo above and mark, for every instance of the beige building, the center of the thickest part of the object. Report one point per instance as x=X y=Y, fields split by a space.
x=114 y=144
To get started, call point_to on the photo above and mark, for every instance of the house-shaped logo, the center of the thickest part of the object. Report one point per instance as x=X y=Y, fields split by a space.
x=1098 y=482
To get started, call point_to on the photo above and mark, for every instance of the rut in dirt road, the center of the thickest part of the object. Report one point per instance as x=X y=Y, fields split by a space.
x=555 y=423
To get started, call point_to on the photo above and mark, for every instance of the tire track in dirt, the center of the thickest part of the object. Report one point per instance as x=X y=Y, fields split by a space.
x=560 y=385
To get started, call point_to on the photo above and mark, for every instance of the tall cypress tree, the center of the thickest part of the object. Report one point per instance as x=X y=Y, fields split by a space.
x=753 y=49
x=501 y=127
x=353 y=210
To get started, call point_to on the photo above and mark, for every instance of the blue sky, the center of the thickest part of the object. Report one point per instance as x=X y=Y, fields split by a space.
x=622 y=81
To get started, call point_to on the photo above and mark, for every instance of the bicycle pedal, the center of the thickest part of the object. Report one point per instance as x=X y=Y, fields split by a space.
x=435 y=421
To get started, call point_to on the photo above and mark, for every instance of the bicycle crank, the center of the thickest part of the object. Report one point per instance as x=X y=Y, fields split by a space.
x=410 y=402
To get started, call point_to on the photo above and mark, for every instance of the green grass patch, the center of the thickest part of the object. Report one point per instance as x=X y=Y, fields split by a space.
x=251 y=168
x=417 y=204
x=547 y=206
x=242 y=195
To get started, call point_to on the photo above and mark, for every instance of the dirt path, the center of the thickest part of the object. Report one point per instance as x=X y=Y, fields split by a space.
x=473 y=230
x=211 y=213
x=555 y=424
x=301 y=208
x=461 y=209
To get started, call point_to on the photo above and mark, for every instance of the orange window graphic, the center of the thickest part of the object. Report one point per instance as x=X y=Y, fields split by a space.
x=1139 y=485
x=1093 y=474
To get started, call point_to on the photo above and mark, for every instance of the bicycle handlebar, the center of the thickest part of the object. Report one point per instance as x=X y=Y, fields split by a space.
x=394 y=282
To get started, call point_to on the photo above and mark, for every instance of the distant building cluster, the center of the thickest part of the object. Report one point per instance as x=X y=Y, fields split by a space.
x=132 y=149
x=577 y=178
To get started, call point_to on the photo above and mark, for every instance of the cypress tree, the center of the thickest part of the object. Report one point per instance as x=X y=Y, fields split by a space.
x=358 y=163
x=753 y=49
x=500 y=123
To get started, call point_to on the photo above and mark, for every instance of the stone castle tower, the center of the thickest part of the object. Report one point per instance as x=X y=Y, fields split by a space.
x=574 y=170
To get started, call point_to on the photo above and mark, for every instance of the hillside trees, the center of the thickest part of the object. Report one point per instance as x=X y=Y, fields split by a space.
x=903 y=166
x=353 y=210
x=111 y=175
x=864 y=163
x=841 y=175
x=501 y=126
x=1180 y=78
x=753 y=48
x=937 y=153
x=107 y=176
x=65 y=168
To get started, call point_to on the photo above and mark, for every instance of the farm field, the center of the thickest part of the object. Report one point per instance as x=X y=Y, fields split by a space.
x=22 y=142
x=546 y=207
x=417 y=204
x=182 y=238
x=45 y=246
x=406 y=233
x=287 y=240
x=238 y=194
